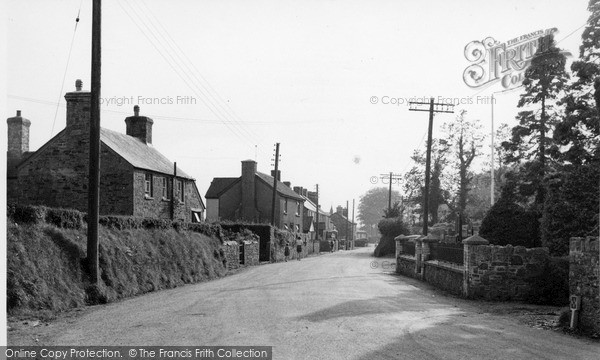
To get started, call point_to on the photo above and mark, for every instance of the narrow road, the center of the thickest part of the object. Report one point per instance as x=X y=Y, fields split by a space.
x=334 y=306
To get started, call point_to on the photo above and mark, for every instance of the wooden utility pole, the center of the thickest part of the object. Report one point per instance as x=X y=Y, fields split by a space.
x=392 y=178
x=275 y=184
x=347 y=221
x=433 y=108
x=352 y=225
x=173 y=181
x=94 y=159
x=317 y=216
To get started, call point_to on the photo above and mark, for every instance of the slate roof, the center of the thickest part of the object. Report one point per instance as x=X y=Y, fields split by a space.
x=282 y=189
x=218 y=185
x=139 y=154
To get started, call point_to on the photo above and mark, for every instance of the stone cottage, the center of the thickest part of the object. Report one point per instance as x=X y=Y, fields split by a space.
x=135 y=178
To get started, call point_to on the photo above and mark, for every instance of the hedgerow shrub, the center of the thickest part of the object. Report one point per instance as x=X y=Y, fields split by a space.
x=570 y=207
x=551 y=286
x=509 y=223
x=389 y=229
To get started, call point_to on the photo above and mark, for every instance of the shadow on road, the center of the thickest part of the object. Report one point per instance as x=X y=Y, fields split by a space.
x=377 y=305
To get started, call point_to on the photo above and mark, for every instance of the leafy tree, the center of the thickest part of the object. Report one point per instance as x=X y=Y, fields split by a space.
x=395 y=211
x=579 y=132
x=372 y=204
x=414 y=179
x=464 y=138
x=544 y=81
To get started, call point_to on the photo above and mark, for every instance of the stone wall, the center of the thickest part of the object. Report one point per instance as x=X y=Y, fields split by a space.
x=405 y=265
x=500 y=272
x=583 y=280
x=251 y=252
x=444 y=276
x=232 y=254
x=489 y=272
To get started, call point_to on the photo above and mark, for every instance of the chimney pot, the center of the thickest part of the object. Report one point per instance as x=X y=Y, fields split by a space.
x=18 y=112
x=136 y=110
x=78 y=84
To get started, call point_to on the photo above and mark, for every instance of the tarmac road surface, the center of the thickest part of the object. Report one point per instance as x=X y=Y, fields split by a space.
x=333 y=306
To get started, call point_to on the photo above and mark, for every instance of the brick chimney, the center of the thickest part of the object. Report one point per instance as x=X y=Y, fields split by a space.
x=248 y=211
x=78 y=108
x=287 y=183
x=339 y=210
x=18 y=136
x=298 y=190
x=139 y=126
x=312 y=196
x=278 y=174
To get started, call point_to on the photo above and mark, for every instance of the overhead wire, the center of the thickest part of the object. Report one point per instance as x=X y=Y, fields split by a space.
x=181 y=71
x=197 y=74
x=66 y=67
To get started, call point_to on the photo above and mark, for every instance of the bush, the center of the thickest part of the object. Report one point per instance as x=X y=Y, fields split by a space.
x=389 y=229
x=551 y=286
x=28 y=214
x=509 y=223
x=570 y=207
x=65 y=218
x=392 y=227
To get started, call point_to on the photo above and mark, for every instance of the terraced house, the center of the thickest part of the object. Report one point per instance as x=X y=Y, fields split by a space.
x=250 y=197
x=136 y=179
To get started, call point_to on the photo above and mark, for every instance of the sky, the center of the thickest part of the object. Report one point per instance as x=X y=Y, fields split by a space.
x=225 y=80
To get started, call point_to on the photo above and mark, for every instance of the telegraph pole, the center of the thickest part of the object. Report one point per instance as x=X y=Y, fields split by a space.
x=317 y=216
x=173 y=181
x=275 y=184
x=94 y=159
x=392 y=178
x=433 y=108
x=352 y=231
x=347 y=221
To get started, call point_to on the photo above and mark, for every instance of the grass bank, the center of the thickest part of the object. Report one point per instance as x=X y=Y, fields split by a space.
x=45 y=265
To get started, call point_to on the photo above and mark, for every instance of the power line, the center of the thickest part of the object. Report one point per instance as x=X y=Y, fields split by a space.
x=62 y=85
x=179 y=72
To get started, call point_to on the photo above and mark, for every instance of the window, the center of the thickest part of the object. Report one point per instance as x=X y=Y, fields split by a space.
x=148 y=188
x=285 y=227
x=285 y=205
x=180 y=189
x=166 y=188
x=196 y=216
x=297 y=228
x=298 y=210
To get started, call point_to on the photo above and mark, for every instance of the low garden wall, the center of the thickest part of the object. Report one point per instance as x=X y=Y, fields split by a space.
x=485 y=271
x=444 y=276
x=405 y=265
x=583 y=280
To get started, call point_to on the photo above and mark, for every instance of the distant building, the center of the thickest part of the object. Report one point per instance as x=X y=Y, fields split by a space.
x=249 y=198
x=342 y=224
x=310 y=215
x=136 y=179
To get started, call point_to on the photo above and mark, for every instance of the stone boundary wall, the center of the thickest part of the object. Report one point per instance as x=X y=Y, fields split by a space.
x=251 y=253
x=500 y=272
x=405 y=265
x=489 y=272
x=583 y=280
x=444 y=276
x=232 y=254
